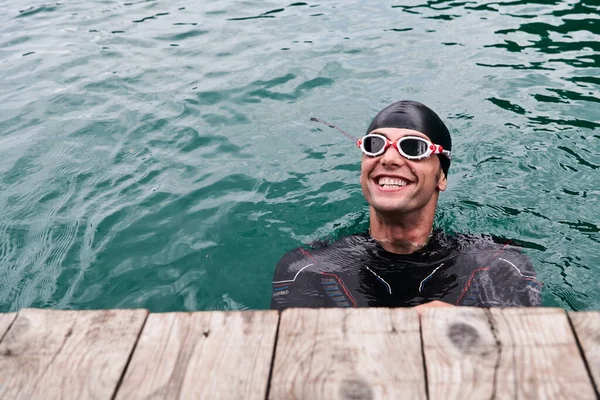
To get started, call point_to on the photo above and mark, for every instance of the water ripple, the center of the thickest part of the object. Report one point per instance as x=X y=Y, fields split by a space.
x=160 y=155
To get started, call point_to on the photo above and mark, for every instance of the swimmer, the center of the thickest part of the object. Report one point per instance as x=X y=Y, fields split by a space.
x=402 y=261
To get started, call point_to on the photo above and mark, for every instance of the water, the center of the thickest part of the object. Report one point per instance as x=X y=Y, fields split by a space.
x=160 y=154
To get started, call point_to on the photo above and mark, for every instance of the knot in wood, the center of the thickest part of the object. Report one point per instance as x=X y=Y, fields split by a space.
x=355 y=388
x=465 y=337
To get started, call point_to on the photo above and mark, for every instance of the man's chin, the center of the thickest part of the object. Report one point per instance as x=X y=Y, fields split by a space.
x=383 y=207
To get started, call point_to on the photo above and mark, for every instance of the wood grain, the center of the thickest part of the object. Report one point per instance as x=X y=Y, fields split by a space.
x=321 y=353
x=348 y=354
x=5 y=321
x=460 y=353
x=539 y=358
x=67 y=354
x=587 y=328
x=209 y=355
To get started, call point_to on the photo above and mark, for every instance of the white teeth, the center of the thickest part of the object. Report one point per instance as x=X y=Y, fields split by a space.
x=391 y=182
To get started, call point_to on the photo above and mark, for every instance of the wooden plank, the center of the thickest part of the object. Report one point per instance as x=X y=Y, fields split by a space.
x=539 y=357
x=5 y=321
x=587 y=328
x=460 y=353
x=209 y=355
x=348 y=354
x=67 y=354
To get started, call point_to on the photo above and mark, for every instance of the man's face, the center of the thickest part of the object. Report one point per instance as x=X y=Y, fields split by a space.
x=393 y=184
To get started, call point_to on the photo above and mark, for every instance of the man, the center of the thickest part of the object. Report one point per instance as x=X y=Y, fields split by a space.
x=402 y=261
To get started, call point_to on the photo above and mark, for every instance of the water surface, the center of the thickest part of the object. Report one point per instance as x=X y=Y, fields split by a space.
x=160 y=154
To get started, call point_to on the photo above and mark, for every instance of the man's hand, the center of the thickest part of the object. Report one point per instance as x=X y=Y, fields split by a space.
x=432 y=304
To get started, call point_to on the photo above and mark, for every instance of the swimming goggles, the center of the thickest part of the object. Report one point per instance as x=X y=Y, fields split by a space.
x=409 y=147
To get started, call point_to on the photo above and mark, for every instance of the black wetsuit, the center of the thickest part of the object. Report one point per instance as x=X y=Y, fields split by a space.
x=356 y=271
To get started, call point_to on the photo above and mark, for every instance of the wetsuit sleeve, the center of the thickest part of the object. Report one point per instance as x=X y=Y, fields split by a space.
x=296 y=284
x=508 y=280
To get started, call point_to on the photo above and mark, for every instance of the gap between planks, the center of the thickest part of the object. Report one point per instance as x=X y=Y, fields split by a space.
x=318 y=353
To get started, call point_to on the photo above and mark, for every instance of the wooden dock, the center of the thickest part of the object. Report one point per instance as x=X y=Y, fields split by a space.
x=449 y=353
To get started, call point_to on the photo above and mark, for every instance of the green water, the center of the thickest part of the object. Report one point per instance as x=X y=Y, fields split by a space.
x=159 y=154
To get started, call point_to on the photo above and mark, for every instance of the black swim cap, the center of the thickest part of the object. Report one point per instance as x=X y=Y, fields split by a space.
x=408 y=114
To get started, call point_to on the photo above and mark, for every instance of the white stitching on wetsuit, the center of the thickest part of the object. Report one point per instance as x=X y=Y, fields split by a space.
x=519 y=271
x=429 y=276
x=292 y=280
x=381 y=279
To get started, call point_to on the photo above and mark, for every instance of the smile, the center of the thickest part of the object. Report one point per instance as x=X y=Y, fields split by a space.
x=391 y=182
x=387 y=183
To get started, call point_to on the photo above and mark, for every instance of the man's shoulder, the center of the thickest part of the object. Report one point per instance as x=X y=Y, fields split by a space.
x=484 y=251
x=310 y=256
x=469 y=243
x=496 y=273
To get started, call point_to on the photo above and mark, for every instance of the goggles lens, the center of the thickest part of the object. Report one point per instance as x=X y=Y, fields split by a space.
x=373 y=144
x=414 y=147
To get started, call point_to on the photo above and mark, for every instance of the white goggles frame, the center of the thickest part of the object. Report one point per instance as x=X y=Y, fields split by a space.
x=431 y=147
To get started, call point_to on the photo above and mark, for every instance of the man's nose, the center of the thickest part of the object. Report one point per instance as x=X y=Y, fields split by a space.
x=392 y=158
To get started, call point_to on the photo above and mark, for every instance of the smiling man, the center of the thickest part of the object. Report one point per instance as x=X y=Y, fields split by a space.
x=402 y=261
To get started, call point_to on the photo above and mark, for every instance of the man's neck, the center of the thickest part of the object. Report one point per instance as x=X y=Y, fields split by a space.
x=403 y=235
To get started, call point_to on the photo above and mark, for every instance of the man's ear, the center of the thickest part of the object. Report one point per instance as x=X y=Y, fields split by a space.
x=442 y=182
